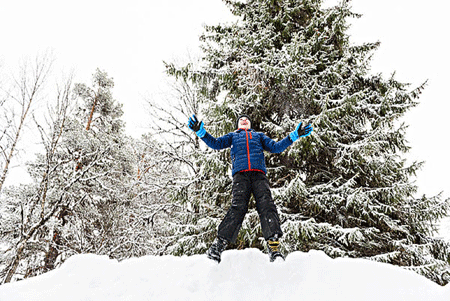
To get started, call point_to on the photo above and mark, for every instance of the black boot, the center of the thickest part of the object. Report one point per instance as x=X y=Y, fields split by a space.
x=272 y=246
x=216 y=249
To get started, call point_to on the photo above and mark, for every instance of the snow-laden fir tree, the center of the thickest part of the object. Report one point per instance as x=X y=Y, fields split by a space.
x=346 y=189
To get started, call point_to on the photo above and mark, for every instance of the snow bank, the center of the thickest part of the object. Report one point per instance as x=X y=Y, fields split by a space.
x=242 y=275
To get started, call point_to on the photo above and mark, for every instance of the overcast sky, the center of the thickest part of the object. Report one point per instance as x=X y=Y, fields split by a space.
x=130 y=39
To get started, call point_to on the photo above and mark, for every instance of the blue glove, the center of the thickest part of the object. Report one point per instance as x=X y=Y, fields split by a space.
x=197 y=127
x=300 y=131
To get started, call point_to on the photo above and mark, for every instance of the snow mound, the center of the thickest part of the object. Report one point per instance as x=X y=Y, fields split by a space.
x=242 y=275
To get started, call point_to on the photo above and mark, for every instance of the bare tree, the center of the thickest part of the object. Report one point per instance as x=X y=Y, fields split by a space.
x=23 y=94
x=38 y=210
x=181 y=150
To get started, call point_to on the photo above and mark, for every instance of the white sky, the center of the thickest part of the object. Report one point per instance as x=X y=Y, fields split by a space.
x=131 y=40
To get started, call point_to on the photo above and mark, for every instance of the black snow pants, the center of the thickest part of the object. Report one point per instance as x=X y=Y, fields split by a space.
x=244 y=184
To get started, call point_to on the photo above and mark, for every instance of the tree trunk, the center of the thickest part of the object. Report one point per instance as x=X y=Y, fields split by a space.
x=15 y=263
x=92 y=113
x=52 y=254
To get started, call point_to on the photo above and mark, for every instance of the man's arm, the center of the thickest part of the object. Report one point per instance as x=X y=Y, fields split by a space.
x=275 y=147
x=214 y=143
x=278 y=147
x=217 y=143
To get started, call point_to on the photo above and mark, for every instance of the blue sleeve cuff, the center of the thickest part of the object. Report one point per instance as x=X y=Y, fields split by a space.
x=201 y=132
x=293 y=136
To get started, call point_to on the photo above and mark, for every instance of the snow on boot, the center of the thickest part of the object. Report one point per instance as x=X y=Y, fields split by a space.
x=272 y=247
x=216 y=249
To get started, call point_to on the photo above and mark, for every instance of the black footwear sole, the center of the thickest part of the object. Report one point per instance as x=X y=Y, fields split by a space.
x=213 y=257
x=276 y=256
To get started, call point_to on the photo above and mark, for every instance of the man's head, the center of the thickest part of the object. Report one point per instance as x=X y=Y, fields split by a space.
x=243 y=122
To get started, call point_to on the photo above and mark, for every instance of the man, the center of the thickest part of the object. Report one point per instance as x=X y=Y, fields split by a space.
x=249 y=177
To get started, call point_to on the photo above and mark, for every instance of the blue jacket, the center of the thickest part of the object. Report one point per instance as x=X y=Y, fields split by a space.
x=247 y=148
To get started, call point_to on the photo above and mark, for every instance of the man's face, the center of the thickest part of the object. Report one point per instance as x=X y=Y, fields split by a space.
x=244 y=123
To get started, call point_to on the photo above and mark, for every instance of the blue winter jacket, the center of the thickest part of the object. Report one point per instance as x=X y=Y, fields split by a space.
x=247 y=148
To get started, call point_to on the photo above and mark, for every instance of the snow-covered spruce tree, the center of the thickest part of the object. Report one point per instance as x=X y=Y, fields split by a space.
x=347 y=189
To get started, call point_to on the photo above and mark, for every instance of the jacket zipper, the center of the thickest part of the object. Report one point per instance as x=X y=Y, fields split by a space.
x=248 y=150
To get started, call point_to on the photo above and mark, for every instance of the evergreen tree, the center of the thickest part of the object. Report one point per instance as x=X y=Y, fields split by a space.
x=347 y=189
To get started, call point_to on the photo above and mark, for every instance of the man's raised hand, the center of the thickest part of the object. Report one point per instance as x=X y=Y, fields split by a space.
x=196 y=126
x=301 y=131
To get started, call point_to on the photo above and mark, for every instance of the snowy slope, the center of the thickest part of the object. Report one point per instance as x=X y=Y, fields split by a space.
x=242 y=275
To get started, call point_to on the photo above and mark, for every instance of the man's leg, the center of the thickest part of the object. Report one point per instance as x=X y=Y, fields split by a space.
x=268 y=215
x=230 y=225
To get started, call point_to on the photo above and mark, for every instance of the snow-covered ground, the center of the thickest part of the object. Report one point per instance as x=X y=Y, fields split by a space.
x=242 y=275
